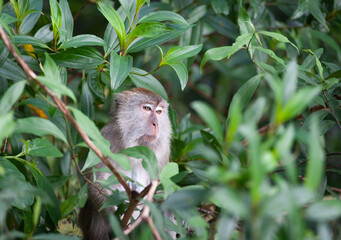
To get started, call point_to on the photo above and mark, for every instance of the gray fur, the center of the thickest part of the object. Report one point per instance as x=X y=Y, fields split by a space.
x=126 y=129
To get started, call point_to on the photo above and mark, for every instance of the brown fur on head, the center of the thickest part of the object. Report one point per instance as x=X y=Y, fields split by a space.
x=129 y=112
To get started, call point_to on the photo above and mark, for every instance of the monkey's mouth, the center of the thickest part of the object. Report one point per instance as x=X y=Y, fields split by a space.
x=148 y=138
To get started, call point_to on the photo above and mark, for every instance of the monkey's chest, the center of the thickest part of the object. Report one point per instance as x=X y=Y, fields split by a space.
x=138 y=175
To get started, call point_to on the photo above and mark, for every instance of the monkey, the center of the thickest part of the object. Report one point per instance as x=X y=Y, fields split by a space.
x=139 y=117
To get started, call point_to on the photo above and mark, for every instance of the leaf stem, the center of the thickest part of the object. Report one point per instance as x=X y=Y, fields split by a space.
x=248 y=52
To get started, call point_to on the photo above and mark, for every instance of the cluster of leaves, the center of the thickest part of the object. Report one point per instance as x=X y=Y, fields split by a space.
x=265 y=167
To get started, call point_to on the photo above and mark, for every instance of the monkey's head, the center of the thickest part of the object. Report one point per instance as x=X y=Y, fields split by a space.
x=142 y=118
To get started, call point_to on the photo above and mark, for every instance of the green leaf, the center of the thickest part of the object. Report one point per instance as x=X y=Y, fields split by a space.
x=215 y=54
x=54 y=236
x=66 y=29
x=110 y=39
x=234 y=119
x=220 y=7
x=143 y=43
x=209 y=116
x=91 y=160
x=142 y=79
x=44 y=185
x=115 y=20
x=289 y=81
x=38 y=126
x=87 y=100
x=79 y=58
x=318 y=64
x=101 y=143
x=82 y=195
x=181 y=71
x=3 y=55
x=279 y=37
x=120 y=67
x=25 y=39
x=67 y=206
x=314 y=9
x=32 y=17
x=40 y=147
x=24 y=199
x=316 y=156
x=160 y=16
x=197 y=13
x=7 y=126
x=244 y=21
x=324 y=211
x=283 y=147
x=246 y=92
x=116 y=227
x=271 y=54
x=310 y=60
x=178 y=53
x=149 y=161
x=168 y=171
x=44 y=33
x=95 y=84
x=7 y=19
x=327 y=39
x=239 y=43
x=52 y=79
x=11 y=96
x=126 y=6
x=336 y=74
x=186 y=198
x=298 y=102
x=147 y=30
x=229 y=200
x=56 y=17
x=11 y=70
x=139 y=4
x=83 y=40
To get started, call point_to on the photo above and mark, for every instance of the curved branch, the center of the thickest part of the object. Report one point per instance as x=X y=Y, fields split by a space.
x=63 y=108
x=145 y=213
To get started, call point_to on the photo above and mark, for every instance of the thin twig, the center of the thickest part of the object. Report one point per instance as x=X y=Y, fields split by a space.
x=145 y=213
x=3 y=150
x=132 y=205
x=63 y=108
x=81 y=10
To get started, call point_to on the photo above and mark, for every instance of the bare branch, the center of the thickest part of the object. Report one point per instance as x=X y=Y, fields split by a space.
x=145 y=213
x=63 y=108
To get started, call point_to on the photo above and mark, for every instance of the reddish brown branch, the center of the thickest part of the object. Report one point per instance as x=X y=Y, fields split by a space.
x=132 y=205
x=63 y=108
x=81 y=10
x=145 y=213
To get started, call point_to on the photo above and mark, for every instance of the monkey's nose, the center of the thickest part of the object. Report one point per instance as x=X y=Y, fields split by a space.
x=154 y=129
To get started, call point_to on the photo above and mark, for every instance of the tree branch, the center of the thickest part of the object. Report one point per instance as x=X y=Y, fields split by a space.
x=63 y=108
x=145 y=213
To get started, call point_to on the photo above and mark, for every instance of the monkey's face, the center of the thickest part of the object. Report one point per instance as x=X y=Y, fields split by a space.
x=142 y=118
x=152 y=115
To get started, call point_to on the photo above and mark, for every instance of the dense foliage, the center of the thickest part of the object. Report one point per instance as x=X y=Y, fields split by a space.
x=254 y=89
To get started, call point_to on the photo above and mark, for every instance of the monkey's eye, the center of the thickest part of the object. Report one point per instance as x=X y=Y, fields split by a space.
x=147 y=107
x=158 y=110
